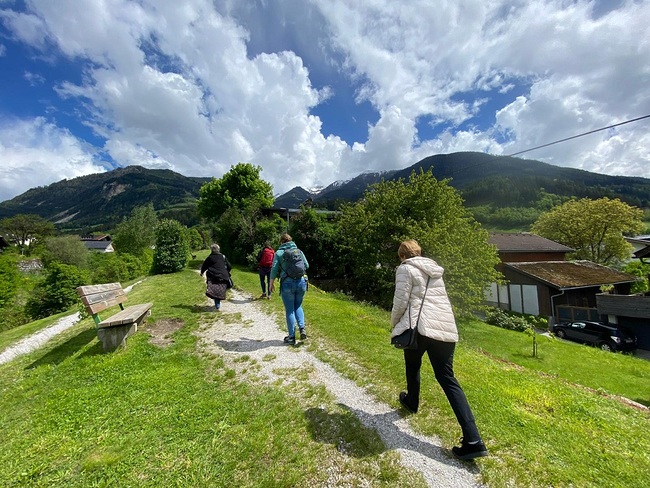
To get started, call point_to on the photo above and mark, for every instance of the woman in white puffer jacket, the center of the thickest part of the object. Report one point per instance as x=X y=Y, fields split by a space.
x=421 y=301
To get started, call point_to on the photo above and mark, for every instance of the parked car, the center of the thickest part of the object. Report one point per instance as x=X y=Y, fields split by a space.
x=607 y=337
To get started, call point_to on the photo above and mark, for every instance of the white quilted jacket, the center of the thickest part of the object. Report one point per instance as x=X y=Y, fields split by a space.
x=437 y=317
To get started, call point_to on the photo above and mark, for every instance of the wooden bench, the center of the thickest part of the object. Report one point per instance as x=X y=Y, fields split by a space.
x=113 y=331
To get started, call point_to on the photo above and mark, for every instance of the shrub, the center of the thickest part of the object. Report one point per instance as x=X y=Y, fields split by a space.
x=57 y=292
x=505 y=320
x=172 y=247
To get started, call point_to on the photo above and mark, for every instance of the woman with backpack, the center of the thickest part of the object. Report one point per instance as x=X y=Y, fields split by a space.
x=264 y=264
x=290 y=265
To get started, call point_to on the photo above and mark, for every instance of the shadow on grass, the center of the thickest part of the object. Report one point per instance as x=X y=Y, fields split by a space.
x=359 y=433
x=345 y=431
x=63 y=351
x=642 y=401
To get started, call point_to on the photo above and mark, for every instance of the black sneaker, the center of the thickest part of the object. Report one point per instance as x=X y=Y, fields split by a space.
x=290 y=340
x=303 y=336
x=468 y=451
x=402 y=400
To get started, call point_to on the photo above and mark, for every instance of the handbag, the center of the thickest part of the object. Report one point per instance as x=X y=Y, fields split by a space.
x=230 y=284
x=409 y=338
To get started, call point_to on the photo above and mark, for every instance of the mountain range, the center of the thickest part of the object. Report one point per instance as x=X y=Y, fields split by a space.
x=484 y=179
x=99 y=201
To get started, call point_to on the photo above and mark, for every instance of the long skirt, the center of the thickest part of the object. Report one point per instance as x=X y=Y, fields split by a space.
x=216 y=290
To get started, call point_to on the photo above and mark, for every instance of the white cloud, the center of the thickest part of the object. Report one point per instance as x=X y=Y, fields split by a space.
x=174 y=84
x=36 y=153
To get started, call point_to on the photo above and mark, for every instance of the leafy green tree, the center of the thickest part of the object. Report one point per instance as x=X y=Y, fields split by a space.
x=58 y=291
x=594 y=228
x=318 y=239
x=429 y=211
x=641 y=271
x=9 y=279
x=26 y=229
x=195 y=239
x=172 y=247
x=66 y=250
x=240 y=188
x=136 y=234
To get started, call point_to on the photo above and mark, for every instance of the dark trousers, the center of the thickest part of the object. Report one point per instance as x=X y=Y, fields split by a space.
x=441 y=356
x=265 y=279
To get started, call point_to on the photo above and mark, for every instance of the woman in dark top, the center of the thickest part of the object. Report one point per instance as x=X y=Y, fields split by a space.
x=217 y=269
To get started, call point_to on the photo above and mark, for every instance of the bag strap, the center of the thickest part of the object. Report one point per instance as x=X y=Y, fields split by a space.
x=426 y=289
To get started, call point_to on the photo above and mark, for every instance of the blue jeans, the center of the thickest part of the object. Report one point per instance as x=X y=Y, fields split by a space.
x=292 y=292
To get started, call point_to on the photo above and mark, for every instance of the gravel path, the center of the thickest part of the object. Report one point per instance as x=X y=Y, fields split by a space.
x=258 y=336
x=36 y=340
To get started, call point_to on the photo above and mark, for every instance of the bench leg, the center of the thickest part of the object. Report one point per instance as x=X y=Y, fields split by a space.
x=114 y=337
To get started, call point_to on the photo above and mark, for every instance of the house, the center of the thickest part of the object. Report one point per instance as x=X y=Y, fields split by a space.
x=541 y=282
x=629 y=311
x=564 y=290
x=101 y=243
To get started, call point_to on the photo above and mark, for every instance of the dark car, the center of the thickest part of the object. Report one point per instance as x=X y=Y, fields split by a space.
x=607 y=337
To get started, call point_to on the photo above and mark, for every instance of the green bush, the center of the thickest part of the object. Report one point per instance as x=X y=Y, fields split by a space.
x=57 y=292
x=505 y=320
x=172 y=247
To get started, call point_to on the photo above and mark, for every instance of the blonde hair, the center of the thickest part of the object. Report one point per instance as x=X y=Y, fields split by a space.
x=408 y=249
x=285 y=238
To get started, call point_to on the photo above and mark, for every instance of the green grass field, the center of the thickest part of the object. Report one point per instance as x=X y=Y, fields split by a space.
x=152 y=416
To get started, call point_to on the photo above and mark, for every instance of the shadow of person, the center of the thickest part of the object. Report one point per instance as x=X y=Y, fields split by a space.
x=196 y=308
x=244 y=344
x=344 y=431
x=393 y=434
x=240 y=301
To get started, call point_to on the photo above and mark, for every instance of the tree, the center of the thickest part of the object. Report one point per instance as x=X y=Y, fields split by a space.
x=66 y=250
x=9 y=279
x=593 y=228
x=137 y=234
x=26 y=229
x=58 y=291
x=429 y=211
x=172 y=247
x=240 y=188
x=318 y=239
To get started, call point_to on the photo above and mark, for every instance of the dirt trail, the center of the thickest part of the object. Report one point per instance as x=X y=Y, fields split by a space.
x=257 y=338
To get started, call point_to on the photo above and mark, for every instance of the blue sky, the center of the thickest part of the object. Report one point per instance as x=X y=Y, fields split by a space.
x=315 y=91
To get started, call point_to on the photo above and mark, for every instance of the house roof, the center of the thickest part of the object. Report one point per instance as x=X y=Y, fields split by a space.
x=643 y=253
x=572 y=274
x=101 y=245
x=103 y=237
x=525 y=242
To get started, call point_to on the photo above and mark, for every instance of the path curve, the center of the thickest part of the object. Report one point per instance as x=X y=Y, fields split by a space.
x=258 y=335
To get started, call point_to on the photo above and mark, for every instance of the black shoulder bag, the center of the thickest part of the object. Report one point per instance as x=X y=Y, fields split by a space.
x=408 y=338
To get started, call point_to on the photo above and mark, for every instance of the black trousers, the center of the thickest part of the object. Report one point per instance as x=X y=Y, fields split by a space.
x=441 y=356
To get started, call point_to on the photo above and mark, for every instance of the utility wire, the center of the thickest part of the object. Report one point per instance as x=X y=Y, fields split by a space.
x=579 y=135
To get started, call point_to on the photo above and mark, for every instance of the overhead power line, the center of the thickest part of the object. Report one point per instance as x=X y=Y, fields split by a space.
x=579 y=135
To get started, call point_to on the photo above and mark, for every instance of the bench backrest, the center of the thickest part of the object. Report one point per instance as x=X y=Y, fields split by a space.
x=100 y=297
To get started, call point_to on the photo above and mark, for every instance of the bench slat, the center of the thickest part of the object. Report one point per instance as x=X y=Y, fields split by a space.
x=98 y=298
x=92 y=289
x=127 y=316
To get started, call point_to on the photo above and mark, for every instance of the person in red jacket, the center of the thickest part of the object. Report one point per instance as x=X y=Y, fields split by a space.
x=264 y=264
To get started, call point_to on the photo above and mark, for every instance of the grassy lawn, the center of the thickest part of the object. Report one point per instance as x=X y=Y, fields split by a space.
x=149 y=415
